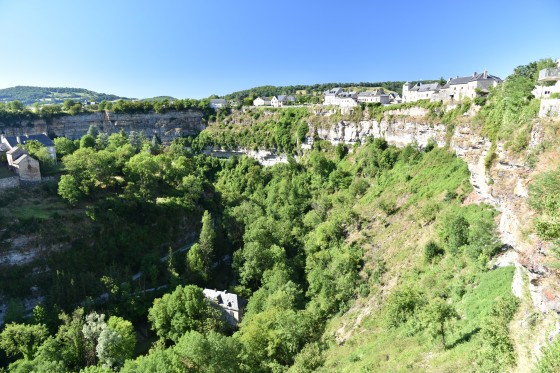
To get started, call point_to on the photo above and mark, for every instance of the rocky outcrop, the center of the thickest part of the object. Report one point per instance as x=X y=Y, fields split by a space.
x=167 y=125
x=504 y=186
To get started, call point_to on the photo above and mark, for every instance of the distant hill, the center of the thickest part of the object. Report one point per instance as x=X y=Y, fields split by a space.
x=45 y=95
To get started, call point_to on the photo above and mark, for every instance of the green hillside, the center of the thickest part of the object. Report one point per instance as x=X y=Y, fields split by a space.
x=47 y=95
x=362 y=258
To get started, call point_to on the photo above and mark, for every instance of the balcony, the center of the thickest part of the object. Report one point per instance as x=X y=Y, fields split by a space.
x=547 y=75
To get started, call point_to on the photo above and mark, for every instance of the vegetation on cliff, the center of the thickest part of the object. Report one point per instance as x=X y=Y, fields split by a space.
x=307 y=241
x=368 y=258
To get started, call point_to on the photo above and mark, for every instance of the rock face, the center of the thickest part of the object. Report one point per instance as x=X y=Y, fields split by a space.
x=398 y=132
x=167 y=126
x=504 y=186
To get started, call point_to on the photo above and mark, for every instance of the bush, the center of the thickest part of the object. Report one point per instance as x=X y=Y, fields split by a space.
x=432 y=250
x=480 y=100
x=402 y=305
x=550 y=360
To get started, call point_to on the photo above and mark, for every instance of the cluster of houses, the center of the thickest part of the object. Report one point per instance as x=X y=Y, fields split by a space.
x=338 y=97
x=455 y=89
x=275 y=101
x=19 y=160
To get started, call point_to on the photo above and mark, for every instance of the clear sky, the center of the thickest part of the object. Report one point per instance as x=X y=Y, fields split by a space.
x=139 y=48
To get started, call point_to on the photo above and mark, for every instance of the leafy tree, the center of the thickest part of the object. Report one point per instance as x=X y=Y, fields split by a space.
x=498 y=352
x=273 y=338
x=309 y=359
x=438 y=315
x=431 y=251
x=69 y=189
x=402 y=305
x=454 y=232
x=93 y=131
x=201 y=255
x=64 y=146
x=15 y=311
x=70 y=339
x=184 y=309
x=143 y=172
x=93 y=326
x=22 y=339
x=116 y=343
x=87 y=141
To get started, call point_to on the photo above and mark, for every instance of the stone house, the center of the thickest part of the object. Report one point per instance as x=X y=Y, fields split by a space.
x=419 y=91
x=467 y=86
x=13 y=154
x=27 y=168
x=232 y=304
x=218 y=103
x=262 y=101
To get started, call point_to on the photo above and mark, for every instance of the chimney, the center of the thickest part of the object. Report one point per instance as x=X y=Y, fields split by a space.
x=485 y=75
x=474 y=74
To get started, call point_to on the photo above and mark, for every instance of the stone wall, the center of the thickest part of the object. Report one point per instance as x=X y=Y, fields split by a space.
x=167 y=126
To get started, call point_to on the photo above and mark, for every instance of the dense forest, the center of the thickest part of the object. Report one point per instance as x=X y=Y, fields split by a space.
x=134 y=231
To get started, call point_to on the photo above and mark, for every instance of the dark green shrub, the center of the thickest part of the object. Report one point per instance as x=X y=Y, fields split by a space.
x=432 y=250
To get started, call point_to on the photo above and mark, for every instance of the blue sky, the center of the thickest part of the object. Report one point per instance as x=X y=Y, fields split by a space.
x=138 y=48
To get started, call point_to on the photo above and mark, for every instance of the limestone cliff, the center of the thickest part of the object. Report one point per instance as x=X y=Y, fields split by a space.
x=167 y=125
x=504 y=186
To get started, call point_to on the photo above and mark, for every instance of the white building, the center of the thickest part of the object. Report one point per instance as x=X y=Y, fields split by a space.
x=331 y=95
x=419 y=91
x=218 y=103
x=549 y=95
x=376 y=96
x=281 y=100
x=262 y=101
x=467 y=86
x=337 y=97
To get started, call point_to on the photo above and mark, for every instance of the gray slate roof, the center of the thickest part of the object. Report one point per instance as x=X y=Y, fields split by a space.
x=218 y=101
x=472 y=78
x=333 y=92
x=425 y=87
x=223 y=298
x=18 y=161
x=11 y=140
x=42 y=138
